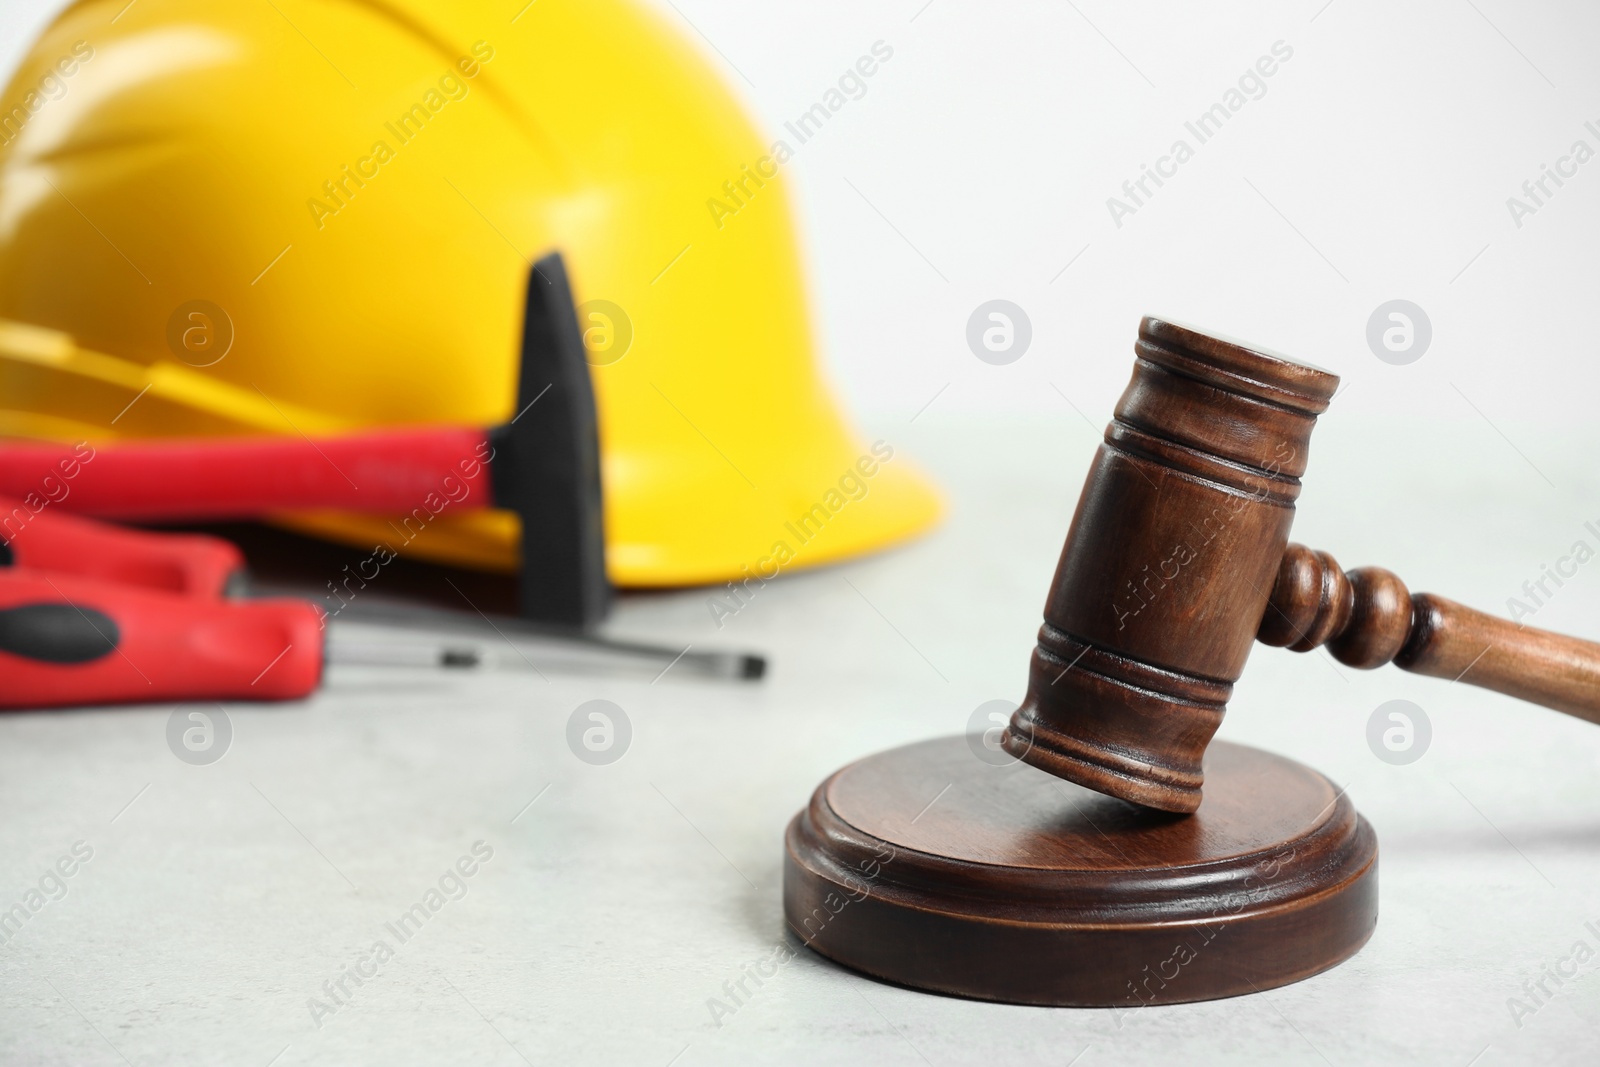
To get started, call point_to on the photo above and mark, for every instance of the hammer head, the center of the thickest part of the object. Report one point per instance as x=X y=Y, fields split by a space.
x=1168 y=565
x=546 y=465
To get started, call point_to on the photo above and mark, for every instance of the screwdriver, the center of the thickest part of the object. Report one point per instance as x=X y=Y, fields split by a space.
x=506 y=642
x=68 y=640
x=36 y=535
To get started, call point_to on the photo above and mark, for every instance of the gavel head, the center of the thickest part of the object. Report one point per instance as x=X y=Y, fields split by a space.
x=1168 y=565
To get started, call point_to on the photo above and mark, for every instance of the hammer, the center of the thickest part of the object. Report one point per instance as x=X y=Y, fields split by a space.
x=544 y=465
x=1178 y=558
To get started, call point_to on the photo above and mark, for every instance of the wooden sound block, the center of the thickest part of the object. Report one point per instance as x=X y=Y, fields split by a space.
x=930 y=867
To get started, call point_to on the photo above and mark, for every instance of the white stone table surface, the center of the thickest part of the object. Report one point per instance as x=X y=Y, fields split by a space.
x=219 y=899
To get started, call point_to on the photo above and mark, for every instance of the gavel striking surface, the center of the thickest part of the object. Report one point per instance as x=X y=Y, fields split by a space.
x=928 y=867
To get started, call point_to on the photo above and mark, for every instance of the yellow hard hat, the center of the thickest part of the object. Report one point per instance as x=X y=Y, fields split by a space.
x=312 y=217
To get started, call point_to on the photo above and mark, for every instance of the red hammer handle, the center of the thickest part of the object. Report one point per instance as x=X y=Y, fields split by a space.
x=239 y=478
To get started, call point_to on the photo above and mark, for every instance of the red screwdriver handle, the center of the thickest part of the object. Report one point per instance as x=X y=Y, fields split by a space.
x=37 y=535
x=69 y=641
x=393 y=471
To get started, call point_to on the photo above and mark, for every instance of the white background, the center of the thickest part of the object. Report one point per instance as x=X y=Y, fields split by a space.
x=995 y=135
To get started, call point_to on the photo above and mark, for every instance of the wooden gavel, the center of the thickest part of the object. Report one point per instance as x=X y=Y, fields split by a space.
x=1178 y=559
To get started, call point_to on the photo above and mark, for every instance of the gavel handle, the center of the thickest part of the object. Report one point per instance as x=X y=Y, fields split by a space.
x=1368 y=618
